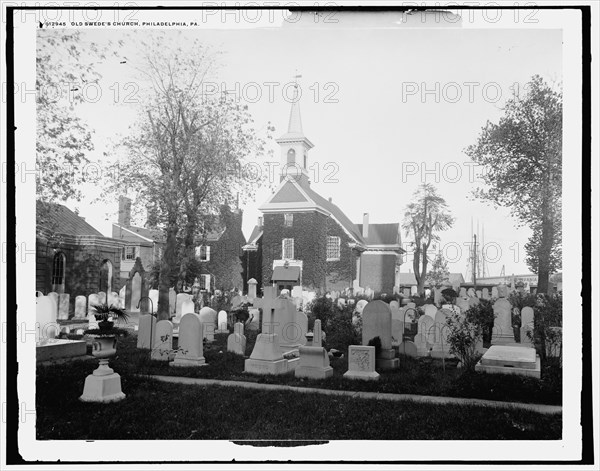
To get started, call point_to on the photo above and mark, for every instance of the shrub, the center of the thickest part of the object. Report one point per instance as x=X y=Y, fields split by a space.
x=547 y=316
x=376 y=342
x=463 y=336
x=335 y=322
x=482 y=314
x=518 y=301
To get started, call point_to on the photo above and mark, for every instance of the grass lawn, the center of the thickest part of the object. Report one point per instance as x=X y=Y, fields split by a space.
x=155 y=410
x=415 y=376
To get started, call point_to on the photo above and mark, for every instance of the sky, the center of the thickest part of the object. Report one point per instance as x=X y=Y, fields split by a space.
x=386 y=108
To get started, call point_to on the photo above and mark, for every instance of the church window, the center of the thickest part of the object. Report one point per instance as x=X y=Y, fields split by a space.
x=287 y=249
x=289 y=219
x=333 y=248
x=291 y=156
x=58 y=271
x=129 y=252
x=203 y=253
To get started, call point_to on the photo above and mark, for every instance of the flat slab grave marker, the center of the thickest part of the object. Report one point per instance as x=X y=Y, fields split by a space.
x=361 y=363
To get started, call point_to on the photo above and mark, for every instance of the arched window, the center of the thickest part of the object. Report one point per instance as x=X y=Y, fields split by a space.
x=291 y=156
x=58 y=272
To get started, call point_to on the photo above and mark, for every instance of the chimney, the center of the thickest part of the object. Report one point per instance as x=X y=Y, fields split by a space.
x=124 y=211
x=365 y=227
x=260 y=222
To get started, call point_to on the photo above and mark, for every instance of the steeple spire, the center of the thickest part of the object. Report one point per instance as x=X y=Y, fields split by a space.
x=295 y=123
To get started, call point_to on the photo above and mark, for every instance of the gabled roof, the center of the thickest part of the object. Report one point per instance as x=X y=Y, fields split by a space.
x=256 y=233
x=381 y=234
x=60 y=219
x=147 y=235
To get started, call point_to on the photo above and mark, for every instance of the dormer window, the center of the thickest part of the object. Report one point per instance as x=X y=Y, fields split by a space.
x=291 y=156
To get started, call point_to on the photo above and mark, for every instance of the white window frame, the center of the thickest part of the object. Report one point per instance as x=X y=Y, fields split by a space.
x=288 y=219
x=283 y=251
x=206 y=253
x=127 y=252
x=338 y=244
x=206 y=280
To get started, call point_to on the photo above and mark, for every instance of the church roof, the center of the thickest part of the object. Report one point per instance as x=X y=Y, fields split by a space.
x=60 y=219
x=381 y=234
x=286 y=274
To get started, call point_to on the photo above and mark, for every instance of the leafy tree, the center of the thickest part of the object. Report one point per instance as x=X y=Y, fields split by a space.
x=439 y=273
x=185 y=151
x=425 y=216
x=66 y=66
x=522 y=158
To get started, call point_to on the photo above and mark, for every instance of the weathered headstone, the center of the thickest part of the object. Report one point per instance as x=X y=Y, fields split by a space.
x=162 y=347
x=502 y=333
x=361 y=363
x=485 y=293
x=252 y=289
x=54 y=297
x=463 y=304
x=463 y=292
x=122 y=293
x=236 y=342
x=181 y=298
x=494 y=292
x=102 y=297
x=408 y=348
x=63 y=305
x=153 y=295
x=291 y=326
x=254 y=323
x=377 y=322
x=430 y=310
x=360 y=305
x=266 y=358
x=397 y=331
x=425 y=337
x=146 y=330
x=222 y=323
x=93 y=300
x=80 y=307
x=190 y=351
x=317 y=334
x=208 y=318
x=112 y=298
x=45 y=317
x=187 y=307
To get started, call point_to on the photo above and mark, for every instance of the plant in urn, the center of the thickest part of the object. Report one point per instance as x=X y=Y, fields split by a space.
x=104 y=385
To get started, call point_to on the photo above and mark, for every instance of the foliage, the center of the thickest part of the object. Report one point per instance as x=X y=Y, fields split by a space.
x=104 y=311
x=482 y=314
x=241 y=313
x=439 y=273
x=335 y=322
x=425 y=216
x=547 y=318
x=185 y=150
x=519 y=300
x=450 y=295
x=522 y=159
x=376 y=342
x=463 y=337
x=65 y=66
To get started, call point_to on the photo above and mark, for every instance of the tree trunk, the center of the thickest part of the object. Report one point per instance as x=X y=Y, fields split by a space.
x=164 y=281
x=546 y=244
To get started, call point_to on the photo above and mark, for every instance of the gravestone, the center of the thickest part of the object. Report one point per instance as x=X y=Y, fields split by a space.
x=190 y=351
x=526 y=325
x=146 y=330
x=397 y=332
x=153 y=295
x=208 y=318
x=80 y=307
x=291 y=326
x=502 y=333
x=181 y=298
x=408 y=348
x=510 y=359
x=53 y=296
x=122 y=293
x=503 y=291
x=463 y=292
x=463 y=304
x=162 y=346
x=430 y=310
x=414 y=290
x=440 y=347
x=236 y=342
x=187 y=307
x=45 y=318
x=314 y=361
x=425 y=337
x=266 y=358
x=360 y=306
x=377 y=322
x=478 y=293
x=361 y=363
x=222 y=323
x=252 y=289
x=485 y=293
x=494 y=292
x=93 y=300
x=63 y=306
x=341 y=303
x=254 y=319
x=102 y=297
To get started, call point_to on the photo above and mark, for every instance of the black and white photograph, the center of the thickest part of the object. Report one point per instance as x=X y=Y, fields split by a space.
x=300 y=236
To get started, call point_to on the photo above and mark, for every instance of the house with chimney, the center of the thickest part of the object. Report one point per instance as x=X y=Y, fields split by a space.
x=304 y=239
x=217 y=263
x=72 y=256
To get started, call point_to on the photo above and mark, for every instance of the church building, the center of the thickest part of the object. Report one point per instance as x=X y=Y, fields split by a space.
x=304 y=239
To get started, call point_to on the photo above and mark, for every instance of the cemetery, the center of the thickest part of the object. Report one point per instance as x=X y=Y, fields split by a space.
x=339 y=341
